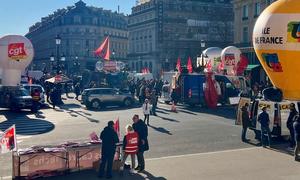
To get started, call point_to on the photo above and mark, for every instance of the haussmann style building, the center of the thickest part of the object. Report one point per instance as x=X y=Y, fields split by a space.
x=81 y=28
x=246 y=13
x=160 y=31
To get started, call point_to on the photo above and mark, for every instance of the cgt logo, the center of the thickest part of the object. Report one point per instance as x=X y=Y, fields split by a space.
x=293 y=32
x=16 y=51
x=272 y=62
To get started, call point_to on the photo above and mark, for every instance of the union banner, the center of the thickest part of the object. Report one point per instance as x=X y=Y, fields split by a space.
x=8 y=140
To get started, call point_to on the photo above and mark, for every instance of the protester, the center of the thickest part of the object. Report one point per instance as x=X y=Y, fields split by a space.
x=142 y=93
x=245 y=121
x=140 y=127
x=264 y=121
x=146 y=110
x=77 y=90
x=48 y=90
x=36 y=97
x=130 y=147
x=66 y=90
x=109 y=140
x=54 y=97
x=154 y=99
x=289 y=124
x=296 y=126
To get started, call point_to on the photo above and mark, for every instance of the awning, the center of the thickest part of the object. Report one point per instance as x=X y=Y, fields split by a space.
x=252 y=66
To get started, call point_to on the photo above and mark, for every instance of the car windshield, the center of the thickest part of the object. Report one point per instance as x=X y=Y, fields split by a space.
x=21 y=92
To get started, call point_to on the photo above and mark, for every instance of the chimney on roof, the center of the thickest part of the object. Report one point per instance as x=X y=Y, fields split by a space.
x=80 y=4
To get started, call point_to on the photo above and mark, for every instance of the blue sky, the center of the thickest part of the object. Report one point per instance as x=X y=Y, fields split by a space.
x=16 y=16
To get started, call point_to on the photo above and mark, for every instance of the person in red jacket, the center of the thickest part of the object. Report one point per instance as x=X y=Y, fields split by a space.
x=130 y=147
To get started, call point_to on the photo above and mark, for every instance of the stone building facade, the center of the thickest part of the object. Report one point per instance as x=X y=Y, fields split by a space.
x=82 y=28
x=246 y=13
x=160 y=31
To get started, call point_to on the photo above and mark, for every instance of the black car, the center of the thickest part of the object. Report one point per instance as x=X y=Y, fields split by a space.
x=15 y=98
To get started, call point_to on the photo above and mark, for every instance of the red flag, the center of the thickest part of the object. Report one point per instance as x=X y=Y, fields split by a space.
x=221 y=66
x=209 y=66
x=242 y=65
x=30 y=80
x=117 y=127
x=210 y=92
x=189 y=65
x=178 y=65
x=8 y=140
x=104 y=51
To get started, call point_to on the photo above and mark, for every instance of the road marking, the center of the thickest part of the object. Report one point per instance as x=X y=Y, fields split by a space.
x=204 y=153
x=5 y=177
x=23 y=137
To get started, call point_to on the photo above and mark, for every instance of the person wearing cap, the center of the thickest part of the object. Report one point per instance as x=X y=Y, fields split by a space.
x=264 y=120
x=296 y=126
x=109 y=140
x=289 y=124
x=245 y=121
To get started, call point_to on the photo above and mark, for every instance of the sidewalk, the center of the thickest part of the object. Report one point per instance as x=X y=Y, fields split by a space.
x=241 y=164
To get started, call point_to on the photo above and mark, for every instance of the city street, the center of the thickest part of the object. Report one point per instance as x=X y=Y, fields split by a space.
x=188 y=131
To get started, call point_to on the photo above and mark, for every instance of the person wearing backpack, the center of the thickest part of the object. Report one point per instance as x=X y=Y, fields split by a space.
x=130 y=147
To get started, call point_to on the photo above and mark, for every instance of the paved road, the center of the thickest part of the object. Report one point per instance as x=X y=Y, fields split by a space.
x=188 y=131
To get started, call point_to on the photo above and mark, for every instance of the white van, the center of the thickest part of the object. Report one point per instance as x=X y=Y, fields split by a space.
x=278 y=114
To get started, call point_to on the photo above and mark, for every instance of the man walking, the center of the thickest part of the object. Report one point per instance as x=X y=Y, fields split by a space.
x=245 y=121
x=264 y=120
x=140 y=127
x=109 y=139
x=289 y=124
x=296 y=126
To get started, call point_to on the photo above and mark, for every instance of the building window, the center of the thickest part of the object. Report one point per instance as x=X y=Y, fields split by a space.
x=257 y=9
x=77 y=20
x=245 y=34
x=245 y=12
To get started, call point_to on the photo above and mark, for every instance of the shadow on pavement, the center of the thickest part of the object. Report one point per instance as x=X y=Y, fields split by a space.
x=168 y=119
x=161 y=129
x=26 y=125
x=92 y=175
x=278 y=145
x=228 y=112
x=75 y=113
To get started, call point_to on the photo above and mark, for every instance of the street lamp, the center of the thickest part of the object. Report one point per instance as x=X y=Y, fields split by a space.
x=113 y=54
x=202 y=64
x=57 y=42
x=202 y=47
x=58 y=57
x=76 y=65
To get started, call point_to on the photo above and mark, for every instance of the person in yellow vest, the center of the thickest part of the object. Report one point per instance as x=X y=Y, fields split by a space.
x=130 y=147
